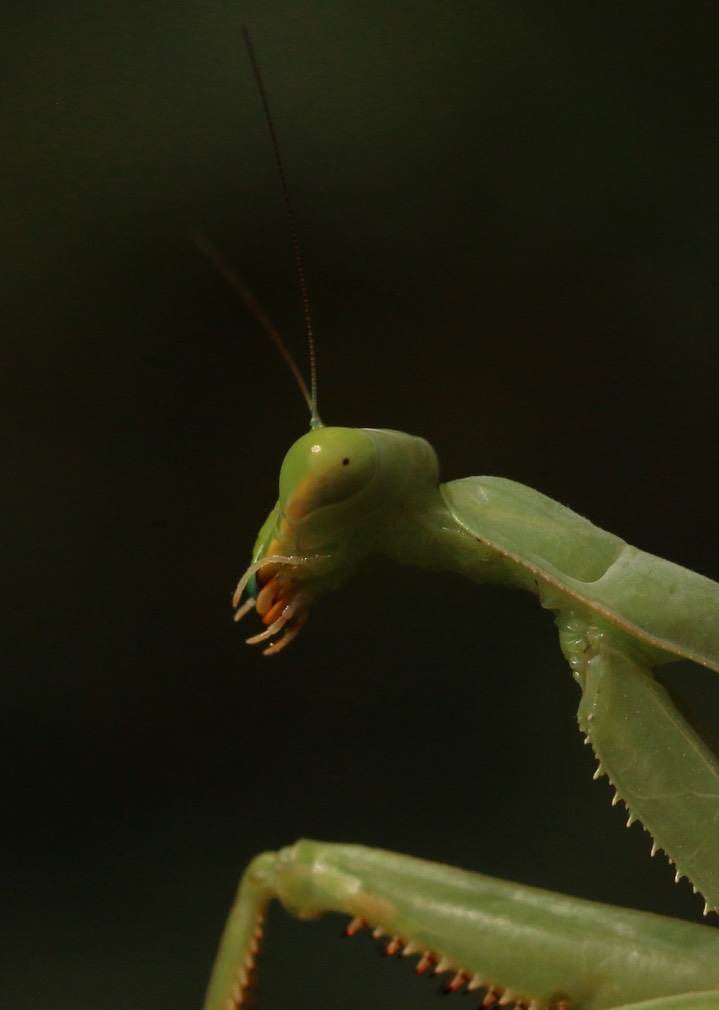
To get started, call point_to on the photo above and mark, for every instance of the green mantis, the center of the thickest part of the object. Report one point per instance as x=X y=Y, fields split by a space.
x=349 y=495
x=346 y=495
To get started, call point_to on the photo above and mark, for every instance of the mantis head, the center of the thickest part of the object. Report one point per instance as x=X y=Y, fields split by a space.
x=339 y=489
x=336 y=484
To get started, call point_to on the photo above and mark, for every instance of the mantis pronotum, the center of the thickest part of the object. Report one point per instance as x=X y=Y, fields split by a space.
x=346 y=495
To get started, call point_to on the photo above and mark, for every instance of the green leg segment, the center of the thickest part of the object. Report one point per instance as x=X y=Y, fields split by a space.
x=665 y=774
x=514 y=944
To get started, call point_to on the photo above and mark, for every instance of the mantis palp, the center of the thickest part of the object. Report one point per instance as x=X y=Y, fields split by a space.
x=347 y=495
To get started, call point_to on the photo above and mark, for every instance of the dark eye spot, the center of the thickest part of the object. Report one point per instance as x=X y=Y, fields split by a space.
x=345 y=461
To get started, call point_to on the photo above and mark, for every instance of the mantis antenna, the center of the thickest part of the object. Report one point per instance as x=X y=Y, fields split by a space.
x=227 y=270
x=315 y=421
x=208 y=248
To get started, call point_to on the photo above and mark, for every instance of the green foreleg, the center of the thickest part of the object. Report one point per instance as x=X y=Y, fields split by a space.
x=235 y=963
x=521 y=944
x=661 y=769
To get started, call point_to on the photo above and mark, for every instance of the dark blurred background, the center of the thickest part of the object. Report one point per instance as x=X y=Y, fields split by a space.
x=509 y=219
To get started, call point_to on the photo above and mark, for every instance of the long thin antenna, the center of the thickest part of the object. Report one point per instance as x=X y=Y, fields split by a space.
x=219 y=260
x=315 y=421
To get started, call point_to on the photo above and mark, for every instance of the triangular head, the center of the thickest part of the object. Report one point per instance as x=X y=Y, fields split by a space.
x=340 y=491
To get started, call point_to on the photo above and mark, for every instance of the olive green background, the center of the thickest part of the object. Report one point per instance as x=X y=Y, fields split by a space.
x=509 y=216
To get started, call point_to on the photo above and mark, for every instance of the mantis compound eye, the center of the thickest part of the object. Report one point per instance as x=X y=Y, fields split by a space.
x=326 y=467
x=334 y=482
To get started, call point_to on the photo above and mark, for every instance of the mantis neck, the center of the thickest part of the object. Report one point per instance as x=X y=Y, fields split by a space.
x=423 y=533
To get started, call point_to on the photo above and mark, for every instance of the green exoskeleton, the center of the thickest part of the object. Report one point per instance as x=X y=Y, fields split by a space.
x=347 y=495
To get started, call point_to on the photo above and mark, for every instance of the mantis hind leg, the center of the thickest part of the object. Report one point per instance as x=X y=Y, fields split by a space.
x=519 y=945
x=659 y=766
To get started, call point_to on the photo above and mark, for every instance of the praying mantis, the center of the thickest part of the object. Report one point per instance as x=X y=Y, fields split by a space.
x=349 y=495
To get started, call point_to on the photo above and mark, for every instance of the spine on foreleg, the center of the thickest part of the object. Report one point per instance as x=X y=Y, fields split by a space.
x=667 y=777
